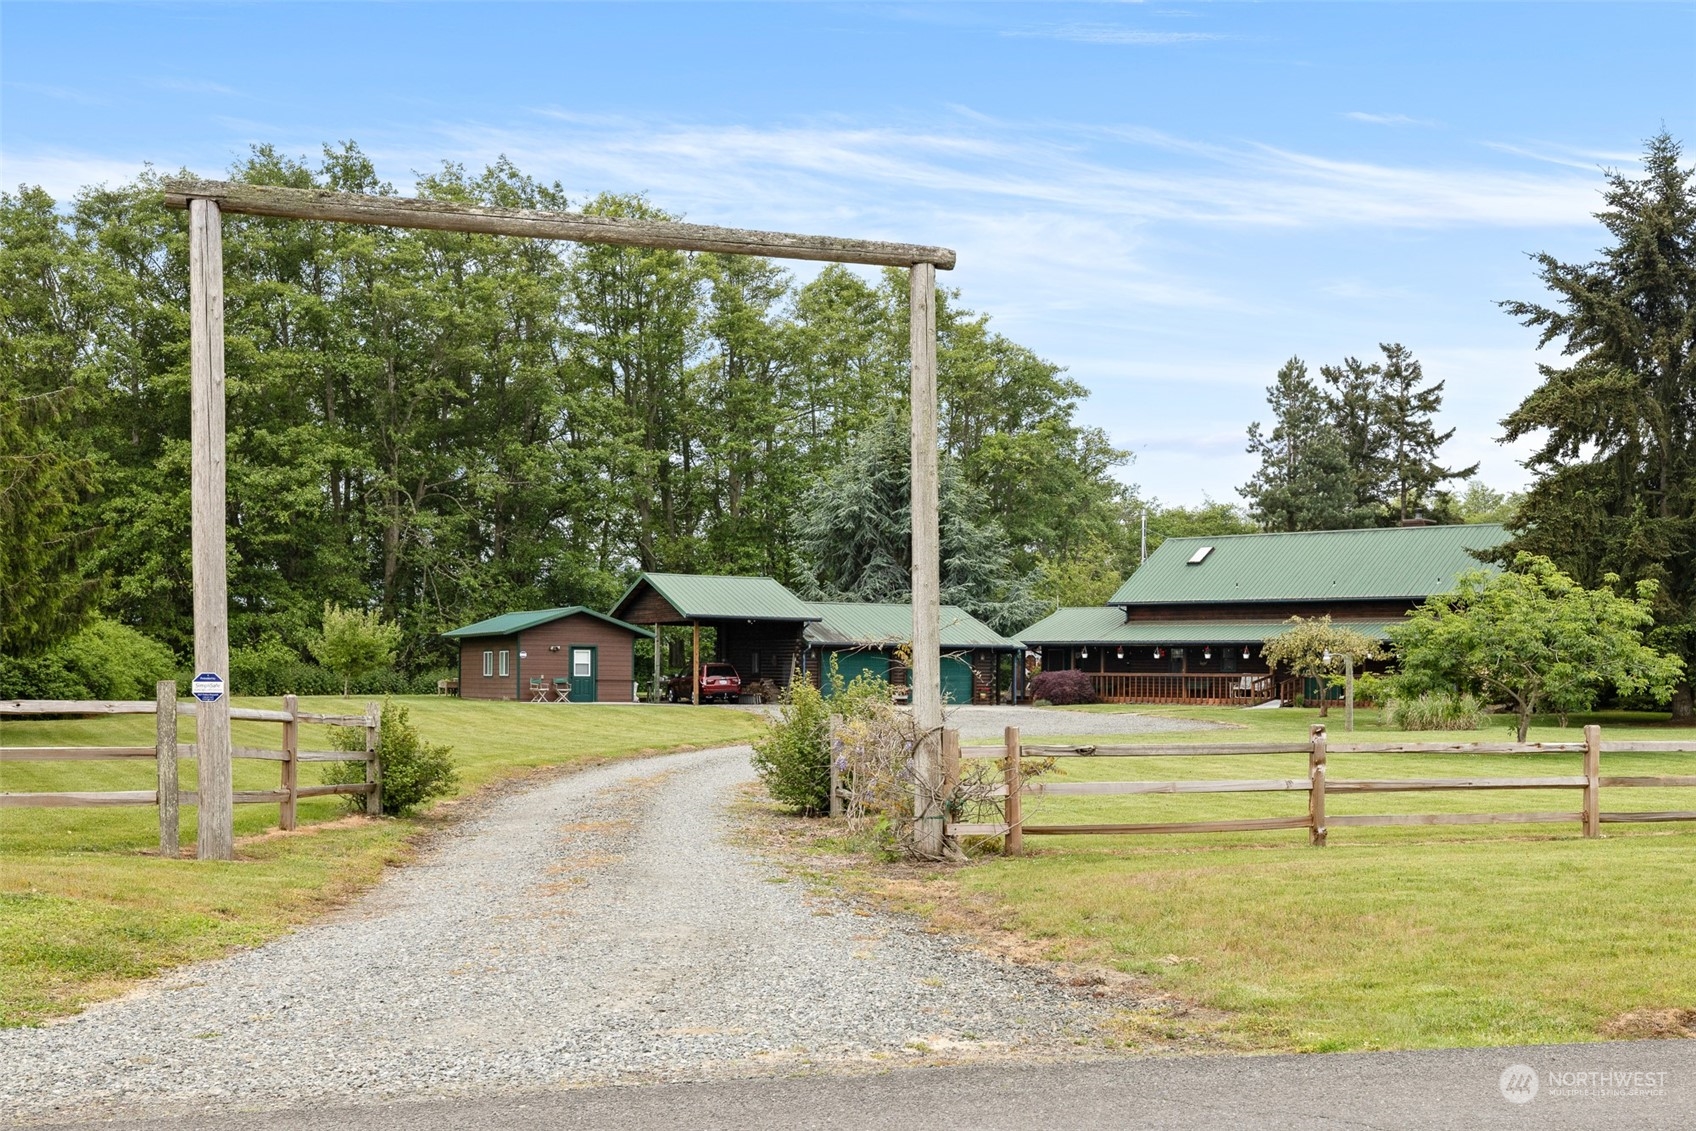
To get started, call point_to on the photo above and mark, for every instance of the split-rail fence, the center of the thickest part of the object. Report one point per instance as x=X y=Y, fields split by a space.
x=166 y=750
x=1317 y=785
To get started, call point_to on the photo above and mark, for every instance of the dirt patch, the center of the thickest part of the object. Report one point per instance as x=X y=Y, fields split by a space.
x=1652 y=1023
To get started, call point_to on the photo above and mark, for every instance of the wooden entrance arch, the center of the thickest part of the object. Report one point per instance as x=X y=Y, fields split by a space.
x=206 y=201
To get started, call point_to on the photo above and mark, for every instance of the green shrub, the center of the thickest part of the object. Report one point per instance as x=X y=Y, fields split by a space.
x=414 y=771
x=105 y=660
x=1435 y=710
x=793 y=756
x=355 y=643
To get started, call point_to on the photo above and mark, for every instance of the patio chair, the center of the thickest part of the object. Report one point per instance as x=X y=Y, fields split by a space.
x=538 y=689
x=562 y=691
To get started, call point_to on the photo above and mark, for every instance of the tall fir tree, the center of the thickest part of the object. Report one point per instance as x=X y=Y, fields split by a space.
x=1304 y=481
x=1615 y=474
x=1409 y=477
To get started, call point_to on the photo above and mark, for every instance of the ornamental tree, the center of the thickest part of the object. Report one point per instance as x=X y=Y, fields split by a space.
x=1535 y=638
x=1318 y=649
x=355 y=643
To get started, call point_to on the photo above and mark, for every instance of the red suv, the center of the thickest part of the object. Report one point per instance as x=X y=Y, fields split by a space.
x=718 y=681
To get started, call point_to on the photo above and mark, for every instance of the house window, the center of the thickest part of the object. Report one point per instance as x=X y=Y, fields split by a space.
x=582 y=663
x=488 y=664
x=504 y=655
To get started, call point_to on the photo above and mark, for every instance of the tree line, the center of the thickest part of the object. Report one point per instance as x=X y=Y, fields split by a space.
x=1612 y=498
x=443 y=427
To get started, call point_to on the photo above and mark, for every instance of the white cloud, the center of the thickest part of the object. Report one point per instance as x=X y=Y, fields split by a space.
x=1387 y=119
x=1110 y=34
x=64 y=173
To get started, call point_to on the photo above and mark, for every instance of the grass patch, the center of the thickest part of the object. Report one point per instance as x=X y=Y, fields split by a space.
x=1389 y=938
x=87 y=907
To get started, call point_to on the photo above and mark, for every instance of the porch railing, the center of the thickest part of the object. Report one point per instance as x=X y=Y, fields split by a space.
x=1124 y=687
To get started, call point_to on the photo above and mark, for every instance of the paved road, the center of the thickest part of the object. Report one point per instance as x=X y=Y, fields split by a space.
x=1447 y=1090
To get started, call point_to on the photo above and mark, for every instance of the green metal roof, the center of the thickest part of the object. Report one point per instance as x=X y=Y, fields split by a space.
x=852 y=624
x=703 y=597
x=1107 y=626
x=510 y=624
x=1409 y=562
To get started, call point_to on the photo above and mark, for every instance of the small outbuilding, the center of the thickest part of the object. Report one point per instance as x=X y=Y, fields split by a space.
x=866 y=638
x=569 y=655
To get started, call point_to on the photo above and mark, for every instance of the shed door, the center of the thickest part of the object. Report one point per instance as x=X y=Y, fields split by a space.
x=585 y=668
x=851 y=664
x=956 y=680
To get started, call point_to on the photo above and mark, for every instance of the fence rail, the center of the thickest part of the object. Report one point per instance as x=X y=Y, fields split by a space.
x=1318 y=785
x=166 y=751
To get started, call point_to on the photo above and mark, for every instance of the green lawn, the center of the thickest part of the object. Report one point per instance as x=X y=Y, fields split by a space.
x=1389 y=937
x=87 y=906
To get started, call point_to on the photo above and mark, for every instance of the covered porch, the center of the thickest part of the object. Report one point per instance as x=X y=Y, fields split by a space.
x=1194 y=662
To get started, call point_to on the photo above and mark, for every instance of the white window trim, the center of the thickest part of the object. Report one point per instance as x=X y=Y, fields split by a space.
x=506 y=660
x=488 y=665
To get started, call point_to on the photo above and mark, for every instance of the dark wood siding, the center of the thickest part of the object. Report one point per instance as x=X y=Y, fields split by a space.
x=615 y=664
x=647 y=608
x=614 y=645
x=472 y=683
x=1270 y=610
x=778 y=644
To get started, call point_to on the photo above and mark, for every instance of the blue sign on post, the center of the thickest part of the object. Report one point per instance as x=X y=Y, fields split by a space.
x=208 y=687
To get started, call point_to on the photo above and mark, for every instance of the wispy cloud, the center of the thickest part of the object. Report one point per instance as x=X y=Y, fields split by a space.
x=1387 y=119
x=194 y=86
x=59 y=93
x=64 y=173
x=1109 y=34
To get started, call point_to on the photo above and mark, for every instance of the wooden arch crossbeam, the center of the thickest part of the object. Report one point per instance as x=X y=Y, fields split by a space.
x=206 y=201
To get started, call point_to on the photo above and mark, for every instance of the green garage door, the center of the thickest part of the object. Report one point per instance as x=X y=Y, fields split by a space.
x=852 y=664
x=956 y=680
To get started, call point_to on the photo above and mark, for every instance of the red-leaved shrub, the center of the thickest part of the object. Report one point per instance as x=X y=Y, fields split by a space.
x=1063 y=687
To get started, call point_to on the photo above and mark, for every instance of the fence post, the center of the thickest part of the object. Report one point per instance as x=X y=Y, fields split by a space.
x=1014 y=845
x=835 y=785
x=373 y=770
x=291 y=764
x=1592 y=780
x=165 y=754
x=1316 y=786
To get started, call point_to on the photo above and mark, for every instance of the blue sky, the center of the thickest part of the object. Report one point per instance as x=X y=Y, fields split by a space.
x=1168 y=199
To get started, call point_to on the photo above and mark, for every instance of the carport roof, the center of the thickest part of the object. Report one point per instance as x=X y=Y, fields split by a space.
x=700 y=597
x=510 y=624
x=853 y=624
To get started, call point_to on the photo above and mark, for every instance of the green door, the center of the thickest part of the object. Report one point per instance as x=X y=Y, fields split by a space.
x=852 y=664
x=585 y=668
x=956 y=680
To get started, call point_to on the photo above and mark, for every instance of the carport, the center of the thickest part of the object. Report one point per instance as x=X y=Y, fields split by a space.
x=757 y=622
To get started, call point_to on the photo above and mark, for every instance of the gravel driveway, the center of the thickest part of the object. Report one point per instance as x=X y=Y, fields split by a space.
x=599 y=928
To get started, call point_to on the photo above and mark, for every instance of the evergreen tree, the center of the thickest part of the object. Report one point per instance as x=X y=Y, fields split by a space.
x=1409 y=475
x=855 y=533
x=1615 y=477
x=1304 y=481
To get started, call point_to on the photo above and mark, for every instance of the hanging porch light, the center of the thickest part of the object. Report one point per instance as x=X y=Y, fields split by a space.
x=1207 y=652
x=1245 y=651
x=1121 y=652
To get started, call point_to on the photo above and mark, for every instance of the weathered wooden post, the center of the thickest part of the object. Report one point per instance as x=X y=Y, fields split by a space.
x=1316 y=786
x=926 y=690
x=286 y=809
x=165 y=753
x=1348 y=678
x=1592 y=780
x=1013 y=810
x=216 y=802
x=373 y=767
x=835 y=783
